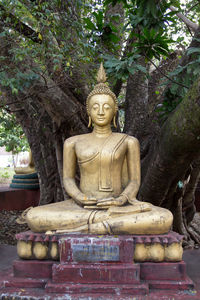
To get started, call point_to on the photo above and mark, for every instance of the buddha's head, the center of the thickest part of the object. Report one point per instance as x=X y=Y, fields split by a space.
x=101 y=103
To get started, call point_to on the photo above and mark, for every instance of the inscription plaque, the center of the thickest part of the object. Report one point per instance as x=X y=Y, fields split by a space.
x=95 y=253
x=87 y=249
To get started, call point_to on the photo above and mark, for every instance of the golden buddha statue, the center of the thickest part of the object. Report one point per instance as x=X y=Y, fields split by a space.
x=109 y=163
x=29 y=169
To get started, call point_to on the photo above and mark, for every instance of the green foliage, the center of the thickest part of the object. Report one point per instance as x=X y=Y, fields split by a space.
x=152 y=44
x=122 y=68
x=11 y=134
x=145 y=24
x=70 y=34
x=18 y=81
x=101 y=32
x=167 y=106
x=6 y=174
x=183 y=77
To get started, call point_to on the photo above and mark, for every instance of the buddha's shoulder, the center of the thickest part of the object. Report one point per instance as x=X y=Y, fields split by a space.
x=76 y=138
x=128 y=138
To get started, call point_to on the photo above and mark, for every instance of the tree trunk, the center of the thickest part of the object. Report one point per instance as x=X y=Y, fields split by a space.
x=37 y=108
x=177 y=148
x=136 y=104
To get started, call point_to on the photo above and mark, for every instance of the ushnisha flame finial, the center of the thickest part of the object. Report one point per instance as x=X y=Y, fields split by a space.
x=101 y=74
x=101 y=88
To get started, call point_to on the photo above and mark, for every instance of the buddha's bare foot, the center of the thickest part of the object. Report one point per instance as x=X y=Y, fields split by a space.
x=136 y=208
x=50 y=232
x=82 y=229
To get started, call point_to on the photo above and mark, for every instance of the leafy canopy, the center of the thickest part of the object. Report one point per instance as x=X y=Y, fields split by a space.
x=64 y=36
x=11 y=134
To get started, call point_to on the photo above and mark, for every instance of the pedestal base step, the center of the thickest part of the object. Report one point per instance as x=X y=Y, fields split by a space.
x=96 y=273
x=172 y=271
x=10 y=282
x=180 y=285
x=32 y=268
x=112 y=289
x=21 y=288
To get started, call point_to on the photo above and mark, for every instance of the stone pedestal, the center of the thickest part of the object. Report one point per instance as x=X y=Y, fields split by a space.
x=90 y=265
x=140 y=248
x=25 y=181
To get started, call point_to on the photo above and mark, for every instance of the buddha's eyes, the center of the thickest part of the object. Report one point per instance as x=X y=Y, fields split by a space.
x=95 y=106
x=106 y=106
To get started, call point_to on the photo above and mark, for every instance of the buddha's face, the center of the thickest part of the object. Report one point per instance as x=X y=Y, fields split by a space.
x=101 y=109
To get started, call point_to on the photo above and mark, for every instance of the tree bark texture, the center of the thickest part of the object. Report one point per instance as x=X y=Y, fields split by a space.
x=177 y=147
x=48 y=116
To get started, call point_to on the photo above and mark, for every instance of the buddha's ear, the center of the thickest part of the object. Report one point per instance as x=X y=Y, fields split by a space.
x=89 y=122
x=114 y=121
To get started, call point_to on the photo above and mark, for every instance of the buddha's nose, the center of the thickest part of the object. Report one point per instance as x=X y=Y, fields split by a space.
x=101 y=110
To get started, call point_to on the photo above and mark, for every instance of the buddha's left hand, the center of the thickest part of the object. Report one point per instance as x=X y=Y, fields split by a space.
x=119 y=201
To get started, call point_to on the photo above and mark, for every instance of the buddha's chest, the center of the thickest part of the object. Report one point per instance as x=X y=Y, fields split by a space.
x=88 y=152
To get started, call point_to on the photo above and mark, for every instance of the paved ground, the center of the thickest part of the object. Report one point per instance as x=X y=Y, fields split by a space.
x=7 y=254
x=192 y=259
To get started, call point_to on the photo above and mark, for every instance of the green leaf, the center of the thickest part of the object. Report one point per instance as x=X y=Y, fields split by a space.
x=89 y=24
x=192 y=50
x=114 y=38
x=141 y=68
x=131 y=70
x=99 y=17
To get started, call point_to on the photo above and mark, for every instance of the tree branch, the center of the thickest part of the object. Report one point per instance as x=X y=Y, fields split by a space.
x=192 y=7
x=128 y=47
x=193 y=26
x=178 y=83
x=19 y=26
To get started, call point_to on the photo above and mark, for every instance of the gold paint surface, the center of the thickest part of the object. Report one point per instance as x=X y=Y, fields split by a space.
x=24 y=249
x=140 y=253
x=174 y=252
x=29 y=169
x=109 y=164
x=54 y=253
x=40 y=250
x=156 y=253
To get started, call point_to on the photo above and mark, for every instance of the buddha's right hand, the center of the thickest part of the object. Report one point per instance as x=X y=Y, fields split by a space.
x=106 y=203
x=83 y=200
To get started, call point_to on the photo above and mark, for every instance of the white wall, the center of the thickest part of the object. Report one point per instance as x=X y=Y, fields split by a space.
x=6 y=158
